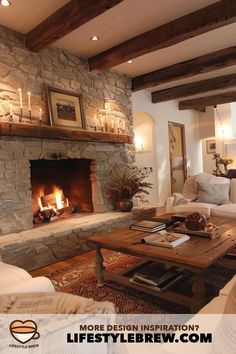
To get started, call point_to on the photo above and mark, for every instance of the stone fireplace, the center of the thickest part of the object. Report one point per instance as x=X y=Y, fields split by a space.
x=28 y=164
x=60 y=187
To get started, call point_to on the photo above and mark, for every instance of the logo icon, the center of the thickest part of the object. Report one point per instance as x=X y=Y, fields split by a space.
x=24 y=331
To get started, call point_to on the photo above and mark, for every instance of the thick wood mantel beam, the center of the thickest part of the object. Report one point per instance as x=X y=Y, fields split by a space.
x=203 y=64
x=206 y=19
x=197 y=103
x=69 y=17
x=194 y=88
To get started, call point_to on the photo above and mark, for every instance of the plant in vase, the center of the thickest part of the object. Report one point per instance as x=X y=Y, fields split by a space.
x=225 y=161
x=124 y=183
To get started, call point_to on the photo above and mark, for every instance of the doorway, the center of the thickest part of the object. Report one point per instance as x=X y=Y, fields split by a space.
x=178 y=170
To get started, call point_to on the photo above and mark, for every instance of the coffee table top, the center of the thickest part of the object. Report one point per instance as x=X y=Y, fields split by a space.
x=198 y=252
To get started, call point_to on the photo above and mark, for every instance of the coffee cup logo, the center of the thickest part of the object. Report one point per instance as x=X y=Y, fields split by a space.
x=24 y=331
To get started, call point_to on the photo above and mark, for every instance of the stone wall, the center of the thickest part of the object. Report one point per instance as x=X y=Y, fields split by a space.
x=20 y=68
x=15 y=184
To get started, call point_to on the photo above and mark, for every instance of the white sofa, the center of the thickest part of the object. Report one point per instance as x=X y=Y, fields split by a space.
x=17 y=280
x=190 y=195
x=218 y=304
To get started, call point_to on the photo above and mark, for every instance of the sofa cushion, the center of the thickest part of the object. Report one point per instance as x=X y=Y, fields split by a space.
x=226 y=289
x=215 y=306
x=213 y=193
x=232 y=191
x=203 y=208
x=225 y=210
x=38 y=284
x=230 y=306
x=211 y=179
x=11 y=275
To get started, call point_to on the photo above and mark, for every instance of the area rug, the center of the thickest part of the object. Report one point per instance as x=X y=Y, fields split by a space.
x=79 y=279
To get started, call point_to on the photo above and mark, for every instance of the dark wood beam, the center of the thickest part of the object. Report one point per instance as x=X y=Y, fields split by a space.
x=206 y=19
x=69 y=17
x=194 y=88
x=221 y=98
x=203 y=64
x=47 y=132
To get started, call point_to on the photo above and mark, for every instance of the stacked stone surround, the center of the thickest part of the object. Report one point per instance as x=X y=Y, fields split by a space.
x=20 y=68
x=15 y=184
x=31 y=72
x=53 y=242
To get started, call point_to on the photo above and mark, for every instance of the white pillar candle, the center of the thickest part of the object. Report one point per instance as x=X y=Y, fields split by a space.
x=20 y=94
x=95 y=122
x=40 y=114
x=102 y=122
x=112 y=124
x=11 y=112
x=123 y=125
x=29 y=100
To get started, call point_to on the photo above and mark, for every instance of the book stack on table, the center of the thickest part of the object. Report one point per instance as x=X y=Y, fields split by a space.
x=151 y=225
x=152 y=276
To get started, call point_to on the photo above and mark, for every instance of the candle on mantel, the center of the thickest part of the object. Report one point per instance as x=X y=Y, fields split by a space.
x=40 y=115
x=102 y=123
x=11 y=112
x=29 y=101
x=20 y=94
x=123 y=125
x=95 y=122
x=112 y=126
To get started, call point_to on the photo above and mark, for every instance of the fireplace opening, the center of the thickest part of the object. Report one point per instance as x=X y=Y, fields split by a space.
x=60 y=188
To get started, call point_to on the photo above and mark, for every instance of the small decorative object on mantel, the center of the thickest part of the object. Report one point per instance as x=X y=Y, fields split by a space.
x=15 y=114
x=125 y=183
x=65 y=108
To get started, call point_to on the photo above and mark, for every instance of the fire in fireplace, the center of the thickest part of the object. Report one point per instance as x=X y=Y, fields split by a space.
x=60 y=188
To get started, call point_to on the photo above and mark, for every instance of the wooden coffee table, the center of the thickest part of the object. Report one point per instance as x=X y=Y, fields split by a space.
x=196 y=255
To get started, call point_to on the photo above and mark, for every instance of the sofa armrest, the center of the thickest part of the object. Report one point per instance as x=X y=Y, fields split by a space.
x=39 y=284
x=226 y=289
x=11 y=275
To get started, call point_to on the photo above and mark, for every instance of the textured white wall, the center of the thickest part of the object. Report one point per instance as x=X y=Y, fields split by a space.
x=162 y=113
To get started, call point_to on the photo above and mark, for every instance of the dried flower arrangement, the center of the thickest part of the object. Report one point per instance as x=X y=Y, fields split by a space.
x=128 y=182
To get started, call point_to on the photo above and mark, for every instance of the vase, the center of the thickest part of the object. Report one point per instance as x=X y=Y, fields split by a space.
x=124 y=205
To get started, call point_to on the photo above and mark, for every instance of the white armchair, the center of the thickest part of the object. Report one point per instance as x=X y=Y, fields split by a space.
x=17 y=280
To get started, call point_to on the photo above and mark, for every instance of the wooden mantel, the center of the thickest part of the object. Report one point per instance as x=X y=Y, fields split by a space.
x=47 y=132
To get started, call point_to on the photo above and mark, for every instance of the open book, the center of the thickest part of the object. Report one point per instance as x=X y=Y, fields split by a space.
x=165 y=239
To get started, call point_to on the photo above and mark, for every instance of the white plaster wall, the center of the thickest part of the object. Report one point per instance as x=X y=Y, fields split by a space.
x=144 y=127
x=207 y=159
x=162 y=113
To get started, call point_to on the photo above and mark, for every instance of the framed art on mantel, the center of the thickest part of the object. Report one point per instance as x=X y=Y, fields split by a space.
x=65 y=108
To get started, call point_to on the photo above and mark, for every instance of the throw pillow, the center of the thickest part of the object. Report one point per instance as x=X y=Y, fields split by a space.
x=213 y=193
x=179 y=199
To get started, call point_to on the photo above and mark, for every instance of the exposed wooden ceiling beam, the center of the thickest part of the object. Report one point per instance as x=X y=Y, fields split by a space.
x=221 y=98
x=203 y=64
x=69 y=17
x=194 y=88
x=208 y=18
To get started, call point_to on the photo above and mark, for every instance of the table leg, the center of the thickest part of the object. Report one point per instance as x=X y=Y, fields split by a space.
x=99 y=267
x=198 y=289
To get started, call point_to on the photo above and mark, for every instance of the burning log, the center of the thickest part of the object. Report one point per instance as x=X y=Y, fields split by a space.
x=53 y=206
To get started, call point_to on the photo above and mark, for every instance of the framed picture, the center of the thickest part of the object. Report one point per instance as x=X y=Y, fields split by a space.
x=65 y=108
x=211 y=146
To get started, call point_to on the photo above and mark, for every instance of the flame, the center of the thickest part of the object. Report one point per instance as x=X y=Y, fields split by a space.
x=58 y=202
x=58 y=196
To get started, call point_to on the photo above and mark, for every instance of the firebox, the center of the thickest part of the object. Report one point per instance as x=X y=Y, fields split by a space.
x=60 y=188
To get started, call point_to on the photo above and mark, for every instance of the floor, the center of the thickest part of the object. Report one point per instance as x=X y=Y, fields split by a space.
x=62 y=264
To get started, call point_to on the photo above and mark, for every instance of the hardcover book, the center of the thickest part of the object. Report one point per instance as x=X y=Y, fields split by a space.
x=148 y=226
x=165 y=239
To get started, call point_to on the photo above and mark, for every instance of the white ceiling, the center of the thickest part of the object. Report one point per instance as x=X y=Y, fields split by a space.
x=124 y=21
x=23 y=15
